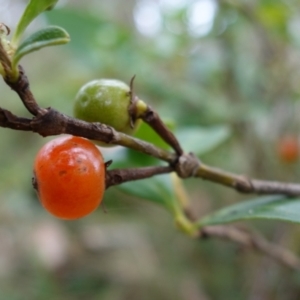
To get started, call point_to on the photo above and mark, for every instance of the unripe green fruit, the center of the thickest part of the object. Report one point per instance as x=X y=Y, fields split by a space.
x=106 y=101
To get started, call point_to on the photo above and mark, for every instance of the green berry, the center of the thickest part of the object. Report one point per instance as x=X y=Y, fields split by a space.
x=106 y=101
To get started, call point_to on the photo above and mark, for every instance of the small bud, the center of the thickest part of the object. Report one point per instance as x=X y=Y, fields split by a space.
x=4 y=30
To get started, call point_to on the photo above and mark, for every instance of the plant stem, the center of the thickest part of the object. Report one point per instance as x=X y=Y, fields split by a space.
x=119 y=176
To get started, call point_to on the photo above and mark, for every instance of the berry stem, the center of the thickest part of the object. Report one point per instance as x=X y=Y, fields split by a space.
x=251 y=240
x=119 y=176
x=151 y=117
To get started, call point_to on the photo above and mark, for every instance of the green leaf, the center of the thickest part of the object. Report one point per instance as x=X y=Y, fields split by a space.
x=271 y=208
x=33 y=9
x=201 y=140
x=157 y=189
x=46 y=37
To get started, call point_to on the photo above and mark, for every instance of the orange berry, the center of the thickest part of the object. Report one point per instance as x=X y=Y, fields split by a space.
x=69 y=177
x=288 y=149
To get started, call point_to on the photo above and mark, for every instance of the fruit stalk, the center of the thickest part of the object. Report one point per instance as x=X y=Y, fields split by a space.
x=151 y=117
x=119 y=176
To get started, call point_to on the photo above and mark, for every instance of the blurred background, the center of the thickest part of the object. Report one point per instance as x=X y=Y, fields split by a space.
x=199 y=63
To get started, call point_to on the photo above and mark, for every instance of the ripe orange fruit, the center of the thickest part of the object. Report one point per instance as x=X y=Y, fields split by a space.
x=288 y=149
x=69 y=176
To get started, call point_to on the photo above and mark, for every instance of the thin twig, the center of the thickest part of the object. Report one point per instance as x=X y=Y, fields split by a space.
x=21 y=87
x=246 y=185
x=138 y=109
x=119 y=176
x=253 y=241
x=152 y=118
x=274 y=187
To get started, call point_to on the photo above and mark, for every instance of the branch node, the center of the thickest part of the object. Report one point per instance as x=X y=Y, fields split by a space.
x=187 y=165
x=244 y=185
x=48 y=123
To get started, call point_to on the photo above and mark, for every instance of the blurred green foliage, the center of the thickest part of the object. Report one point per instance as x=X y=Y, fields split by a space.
x=237 y=73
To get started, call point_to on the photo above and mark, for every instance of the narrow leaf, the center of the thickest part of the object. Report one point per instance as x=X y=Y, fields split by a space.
x=46 y=37
x=271 y=208
x=33 y=9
